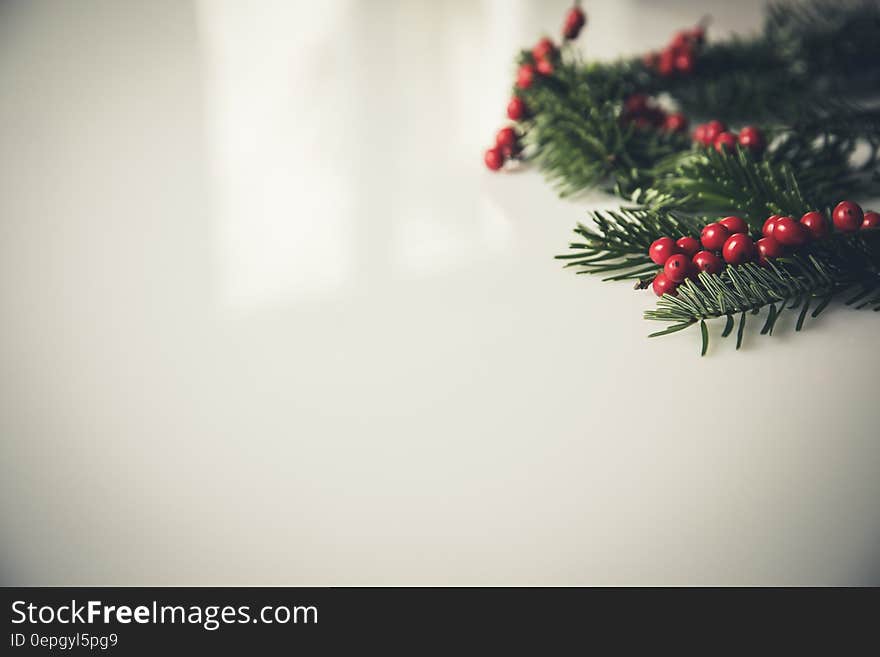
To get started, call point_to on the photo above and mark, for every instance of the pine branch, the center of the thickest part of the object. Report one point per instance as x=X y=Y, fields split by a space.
x=801 y=282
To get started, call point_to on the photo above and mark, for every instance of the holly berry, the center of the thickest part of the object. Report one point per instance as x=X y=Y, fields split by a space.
x=713 y=129
x=516 y=109
x=688 y=245
x=506 y=138
x=816 y=224
x=635 y=104
x=575 y=20
x=871 y=220
x=494 y=158
x=708 y=262
x=525 y=76
x=544 y=49
x=666 y=63
x=700 y=134
x=770 y=225
x=684 y=62
x=735 y=225
x=544 y=67
x=738 y=249
x=677 y=267
x=847 y=216
x=675 y=122
x=752 y=138
x=789 y=232
x=768 y=248
x=661 y=249
x=714 y=236
x=662 y=285
x=726 y=141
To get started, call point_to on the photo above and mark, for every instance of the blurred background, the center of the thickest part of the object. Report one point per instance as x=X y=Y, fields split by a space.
x=268 y=320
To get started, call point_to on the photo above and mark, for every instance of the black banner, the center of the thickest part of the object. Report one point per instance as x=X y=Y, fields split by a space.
x=134 y=621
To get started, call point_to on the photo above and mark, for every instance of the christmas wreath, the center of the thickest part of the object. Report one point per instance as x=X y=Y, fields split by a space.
x=718 y=223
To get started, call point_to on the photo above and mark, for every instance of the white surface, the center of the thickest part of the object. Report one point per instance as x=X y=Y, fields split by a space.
x=267 y=320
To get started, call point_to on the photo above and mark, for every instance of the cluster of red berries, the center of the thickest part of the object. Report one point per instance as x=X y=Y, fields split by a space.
x=728 y=242
x=715 y=133
x=543 y=61
x=680 y=55
x=640 y=111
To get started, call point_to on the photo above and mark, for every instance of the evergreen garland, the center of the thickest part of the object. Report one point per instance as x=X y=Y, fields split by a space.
x=807 y=77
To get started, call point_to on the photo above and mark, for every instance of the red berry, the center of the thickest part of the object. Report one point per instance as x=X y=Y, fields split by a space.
x=735 y=225
x=770 y=225
x=726 y=141
x=684 y=62
x=635 y=104
x=708 y=262
x=688 y=245
x=713 y=129
x=677 y=267
x=700 y=135
x=816 y=224
x=666 y=63
x=714 y=236
x=525 y=76
x=871 y=220
x=661 y=249
x=768 y=248
x=662 y=285
x=675 y=122
x=788 y=232
x=544 y=67
x=516 y=109
x=544 y=49
x=575 y=19
x=506 y=138
x=681 y=40
x=752 y=138
x=494 y=158
x=847 y=217
x=738 y=249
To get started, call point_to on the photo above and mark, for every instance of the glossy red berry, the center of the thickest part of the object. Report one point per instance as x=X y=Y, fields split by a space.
x=666 y=63
x=525 y=76
x=713 y=129
x=735 y=225
x=726 y=141
x=662 y=285
x=847 y=217
x=544 y=49
x=816 y=224
x=768 y=248
x=661 y=249
x=789 y=232
x=675 y=122
x=575 y=20
x=688 y=245
x=700 y=134
x=677 y=267
x=544 y=67
x=684 y=62
x=752 y=139
x=706 y=261
x=494 y=158
x=770 y=225
x=871 y=220
x=635 y=104
x=738 y=249
x=506 y=138
x=714 y=236
x=516 y=109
